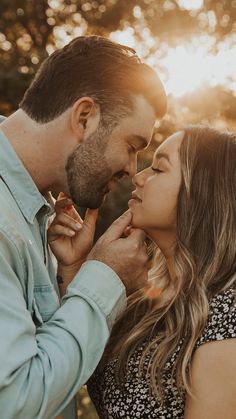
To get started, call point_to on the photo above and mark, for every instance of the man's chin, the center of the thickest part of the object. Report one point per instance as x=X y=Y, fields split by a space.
x=94 y=201
x=92 y=204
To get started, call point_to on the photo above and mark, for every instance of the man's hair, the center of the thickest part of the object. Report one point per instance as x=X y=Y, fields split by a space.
x=96 y=67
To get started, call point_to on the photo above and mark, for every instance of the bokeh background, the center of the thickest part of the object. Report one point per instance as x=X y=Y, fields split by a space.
x=190 y=43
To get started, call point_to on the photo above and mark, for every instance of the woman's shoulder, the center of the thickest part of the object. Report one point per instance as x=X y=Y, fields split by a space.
x=221 y=322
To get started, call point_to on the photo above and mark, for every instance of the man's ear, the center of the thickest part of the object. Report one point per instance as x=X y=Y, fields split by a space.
x=85 y=117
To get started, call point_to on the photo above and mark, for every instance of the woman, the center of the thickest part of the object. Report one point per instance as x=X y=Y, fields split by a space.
x=172 y=354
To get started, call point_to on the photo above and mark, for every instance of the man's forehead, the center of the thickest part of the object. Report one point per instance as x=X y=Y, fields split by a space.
x=143 y=109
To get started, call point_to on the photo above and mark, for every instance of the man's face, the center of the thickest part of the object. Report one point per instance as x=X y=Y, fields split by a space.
x=99 y=162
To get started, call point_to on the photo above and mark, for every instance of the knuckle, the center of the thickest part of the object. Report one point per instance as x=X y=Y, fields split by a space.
x=135 y=247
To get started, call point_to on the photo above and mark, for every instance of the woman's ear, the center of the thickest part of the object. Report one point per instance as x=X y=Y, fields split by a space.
x=85 y=117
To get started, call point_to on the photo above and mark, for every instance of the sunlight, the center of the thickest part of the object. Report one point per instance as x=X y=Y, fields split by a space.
x=125 y=37
x=188 y=66
x=183 y=69
x=190 y=4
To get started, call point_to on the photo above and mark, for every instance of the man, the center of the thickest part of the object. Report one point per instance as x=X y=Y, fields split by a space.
x=88 y=111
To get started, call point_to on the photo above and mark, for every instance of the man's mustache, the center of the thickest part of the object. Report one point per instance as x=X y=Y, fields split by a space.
x=120 y=175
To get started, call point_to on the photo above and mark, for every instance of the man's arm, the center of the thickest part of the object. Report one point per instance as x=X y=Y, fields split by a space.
x=41 y=369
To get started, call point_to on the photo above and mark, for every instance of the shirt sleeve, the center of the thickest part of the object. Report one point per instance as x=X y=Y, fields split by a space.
x=42 y=368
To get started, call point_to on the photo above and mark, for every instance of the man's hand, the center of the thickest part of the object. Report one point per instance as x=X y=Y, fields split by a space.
x=126 y=256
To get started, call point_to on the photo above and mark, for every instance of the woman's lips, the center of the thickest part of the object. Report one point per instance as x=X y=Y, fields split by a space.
x=134 y=200
x=136 y=197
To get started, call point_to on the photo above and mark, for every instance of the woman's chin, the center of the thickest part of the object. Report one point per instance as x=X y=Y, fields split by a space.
x=135 y=223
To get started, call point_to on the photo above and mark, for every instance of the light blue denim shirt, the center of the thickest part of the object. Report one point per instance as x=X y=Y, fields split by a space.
x=48 y=348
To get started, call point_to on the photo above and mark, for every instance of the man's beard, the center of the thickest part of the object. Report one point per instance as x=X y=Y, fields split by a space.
x=88 y=172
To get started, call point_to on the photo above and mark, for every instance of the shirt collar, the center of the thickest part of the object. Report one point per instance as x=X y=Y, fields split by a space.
x=20 y=183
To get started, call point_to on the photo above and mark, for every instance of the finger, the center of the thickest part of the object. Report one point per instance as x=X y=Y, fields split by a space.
x=61 y=195
x=90 y=218
x=117 y=228
x=128 y=231
x=67 y=221
x=59 y=230
x=137 y=235
x=71 y=211
x=65 y=205
x=62 y=204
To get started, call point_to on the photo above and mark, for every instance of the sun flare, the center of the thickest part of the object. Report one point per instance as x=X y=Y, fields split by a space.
x=191 y=64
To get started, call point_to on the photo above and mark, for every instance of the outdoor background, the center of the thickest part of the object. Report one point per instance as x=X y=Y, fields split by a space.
x=190 y=43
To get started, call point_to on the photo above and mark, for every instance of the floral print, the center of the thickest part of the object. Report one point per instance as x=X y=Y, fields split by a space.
x=134 y=400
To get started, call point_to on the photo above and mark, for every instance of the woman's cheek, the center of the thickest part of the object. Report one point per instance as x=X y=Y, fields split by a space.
x=137 y=219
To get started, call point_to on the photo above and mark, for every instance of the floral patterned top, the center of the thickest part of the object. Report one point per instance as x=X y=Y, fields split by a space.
x=135 y=400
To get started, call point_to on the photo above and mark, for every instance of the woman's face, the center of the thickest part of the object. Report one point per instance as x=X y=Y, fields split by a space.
x=155 y=198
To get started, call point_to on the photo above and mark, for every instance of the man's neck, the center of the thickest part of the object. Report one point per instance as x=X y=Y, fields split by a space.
x=35 y=145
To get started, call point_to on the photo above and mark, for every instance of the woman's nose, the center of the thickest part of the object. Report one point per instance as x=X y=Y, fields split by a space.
x=139 y=178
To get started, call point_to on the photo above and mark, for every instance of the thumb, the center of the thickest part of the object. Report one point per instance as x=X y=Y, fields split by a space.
x=90 y=218
x=128 y=230
x=117 y=228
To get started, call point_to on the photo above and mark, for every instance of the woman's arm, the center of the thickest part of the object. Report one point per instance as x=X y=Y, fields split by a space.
x=213 y=373
x=70 y=239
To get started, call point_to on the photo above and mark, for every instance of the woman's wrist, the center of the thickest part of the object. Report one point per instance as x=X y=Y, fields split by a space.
x=68 y=270
x=65 y=274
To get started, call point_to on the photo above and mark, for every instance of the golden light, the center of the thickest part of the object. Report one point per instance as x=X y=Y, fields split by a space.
x=190 y=4
x=191 y=64
x=125 y=37
x=183 y=69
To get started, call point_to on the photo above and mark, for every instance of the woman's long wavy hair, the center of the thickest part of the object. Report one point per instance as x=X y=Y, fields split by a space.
x=205 y=264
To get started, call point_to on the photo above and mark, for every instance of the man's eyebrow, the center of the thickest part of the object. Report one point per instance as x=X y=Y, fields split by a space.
x=160 y=155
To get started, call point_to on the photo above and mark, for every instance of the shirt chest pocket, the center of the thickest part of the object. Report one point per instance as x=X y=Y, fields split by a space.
x=45 y=303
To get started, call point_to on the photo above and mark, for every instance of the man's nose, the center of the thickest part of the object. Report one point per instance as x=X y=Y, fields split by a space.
x=132 y=166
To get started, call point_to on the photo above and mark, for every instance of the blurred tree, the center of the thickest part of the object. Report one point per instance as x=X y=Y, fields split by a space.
x=30 y=30
x=24 y=34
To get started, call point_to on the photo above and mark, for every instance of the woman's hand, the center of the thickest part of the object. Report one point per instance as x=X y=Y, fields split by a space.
x=71 y=238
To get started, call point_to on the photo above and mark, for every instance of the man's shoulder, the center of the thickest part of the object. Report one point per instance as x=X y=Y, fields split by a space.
x=10 y=214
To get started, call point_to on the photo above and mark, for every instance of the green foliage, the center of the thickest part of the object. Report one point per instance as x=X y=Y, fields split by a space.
x=85 y=410
x=30 y=30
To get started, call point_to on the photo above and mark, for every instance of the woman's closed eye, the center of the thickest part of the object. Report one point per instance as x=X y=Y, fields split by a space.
x=156 y=169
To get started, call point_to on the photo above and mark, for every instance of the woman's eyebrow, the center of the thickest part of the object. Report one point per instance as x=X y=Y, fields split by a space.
x=160 y=155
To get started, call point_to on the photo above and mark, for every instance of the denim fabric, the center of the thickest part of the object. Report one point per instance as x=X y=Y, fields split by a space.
x=49 y=348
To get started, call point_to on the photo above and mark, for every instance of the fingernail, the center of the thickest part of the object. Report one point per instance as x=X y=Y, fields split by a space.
x=78 y=226
x=71 y=232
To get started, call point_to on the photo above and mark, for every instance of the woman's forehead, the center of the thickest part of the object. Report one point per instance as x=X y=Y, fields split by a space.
x=171 y=144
